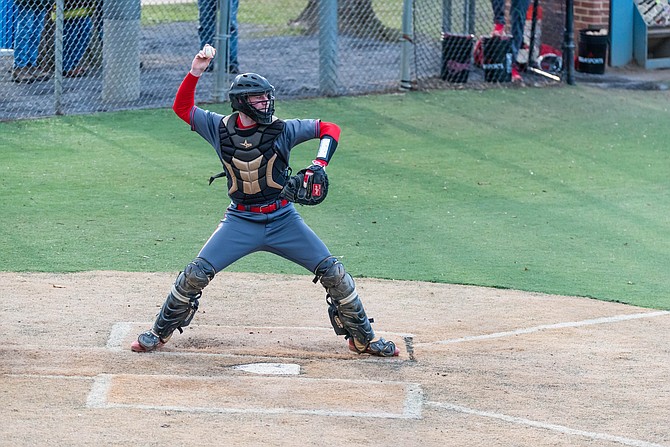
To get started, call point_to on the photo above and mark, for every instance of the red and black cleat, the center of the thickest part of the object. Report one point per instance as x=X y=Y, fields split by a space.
x=380 y=348
x=147 y=341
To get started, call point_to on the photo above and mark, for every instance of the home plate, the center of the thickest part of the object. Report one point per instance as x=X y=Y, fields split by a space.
x=270 y=368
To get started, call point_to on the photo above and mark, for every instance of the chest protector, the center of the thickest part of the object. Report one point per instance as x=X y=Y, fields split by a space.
x=256 y=172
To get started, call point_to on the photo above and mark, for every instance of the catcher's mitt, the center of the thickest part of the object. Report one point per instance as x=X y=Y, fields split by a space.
x=307 y=187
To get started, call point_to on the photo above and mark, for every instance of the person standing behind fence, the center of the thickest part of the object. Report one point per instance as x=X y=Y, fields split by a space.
x=517 y=14
x=30 y=19
x=207 y=30
x=77 y=27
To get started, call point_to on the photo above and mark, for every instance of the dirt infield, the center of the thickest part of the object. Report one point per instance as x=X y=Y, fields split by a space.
x=261 y=366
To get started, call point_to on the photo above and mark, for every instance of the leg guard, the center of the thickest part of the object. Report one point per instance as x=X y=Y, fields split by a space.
x=177 y=312
x=182 y=301
x=344 y=306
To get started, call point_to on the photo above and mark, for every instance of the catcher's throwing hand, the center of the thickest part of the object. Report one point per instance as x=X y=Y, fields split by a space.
x=202 y=60
x=307 y=187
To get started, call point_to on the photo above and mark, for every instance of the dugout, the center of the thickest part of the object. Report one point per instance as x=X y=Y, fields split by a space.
x=651 y=34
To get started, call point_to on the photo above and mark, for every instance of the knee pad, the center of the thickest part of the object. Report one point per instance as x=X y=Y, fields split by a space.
x=194 y=278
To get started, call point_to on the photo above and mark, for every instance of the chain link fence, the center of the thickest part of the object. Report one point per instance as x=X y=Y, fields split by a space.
x=83 y=56
x=484 y=42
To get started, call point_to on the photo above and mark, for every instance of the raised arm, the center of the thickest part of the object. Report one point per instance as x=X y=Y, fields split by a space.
x=184 y=101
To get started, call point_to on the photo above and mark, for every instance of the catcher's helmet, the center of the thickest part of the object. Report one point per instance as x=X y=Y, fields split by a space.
x=246 y=84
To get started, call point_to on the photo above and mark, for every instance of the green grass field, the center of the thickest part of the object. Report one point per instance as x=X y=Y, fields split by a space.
x=562 y=190
x=266 y=17
x=259 y=12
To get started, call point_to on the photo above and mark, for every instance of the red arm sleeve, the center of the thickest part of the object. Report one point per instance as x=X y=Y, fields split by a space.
x=184 y=101
x=330 y=129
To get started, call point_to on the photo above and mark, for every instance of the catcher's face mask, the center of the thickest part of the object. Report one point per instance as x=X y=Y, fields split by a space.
x=253 y=86
x=263 y=103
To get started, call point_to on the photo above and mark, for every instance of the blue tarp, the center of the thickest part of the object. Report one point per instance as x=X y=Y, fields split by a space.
x=6 y=23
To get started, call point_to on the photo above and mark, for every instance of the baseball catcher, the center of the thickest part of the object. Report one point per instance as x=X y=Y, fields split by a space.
x=254 y=147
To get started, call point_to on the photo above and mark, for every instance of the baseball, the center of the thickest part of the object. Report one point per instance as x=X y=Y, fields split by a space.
x=209 y=51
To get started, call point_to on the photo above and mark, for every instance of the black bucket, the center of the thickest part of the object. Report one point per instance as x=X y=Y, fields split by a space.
x=592 y=51
x=497 y=58
x=456 y=57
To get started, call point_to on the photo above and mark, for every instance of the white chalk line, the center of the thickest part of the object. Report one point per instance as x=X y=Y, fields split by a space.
x=544 y=327
x=50 y=376
x=118 y=333
x=97 y=398
x=544 y=425
x=267 y=411
x=158 y=352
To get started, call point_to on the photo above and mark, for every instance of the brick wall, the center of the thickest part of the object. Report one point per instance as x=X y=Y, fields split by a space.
x=591 y=13
x=594 y=13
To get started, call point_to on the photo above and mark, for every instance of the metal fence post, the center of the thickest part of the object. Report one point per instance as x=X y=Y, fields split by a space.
x=222 y=45
x=58 y=58
x=446 y=16
x=407 y=41
x=469 y=17
x=569 y=43
x=120 y=51
x=328 y=47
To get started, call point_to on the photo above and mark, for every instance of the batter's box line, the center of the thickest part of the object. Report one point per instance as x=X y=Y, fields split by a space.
x=545 y=327
x=102 y=383
x=544 y=425
x=121 y=330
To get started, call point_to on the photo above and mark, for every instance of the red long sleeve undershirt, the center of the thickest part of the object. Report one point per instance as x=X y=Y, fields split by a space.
x=184 y=101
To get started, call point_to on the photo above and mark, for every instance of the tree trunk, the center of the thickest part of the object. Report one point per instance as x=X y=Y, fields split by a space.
x=356 y=18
